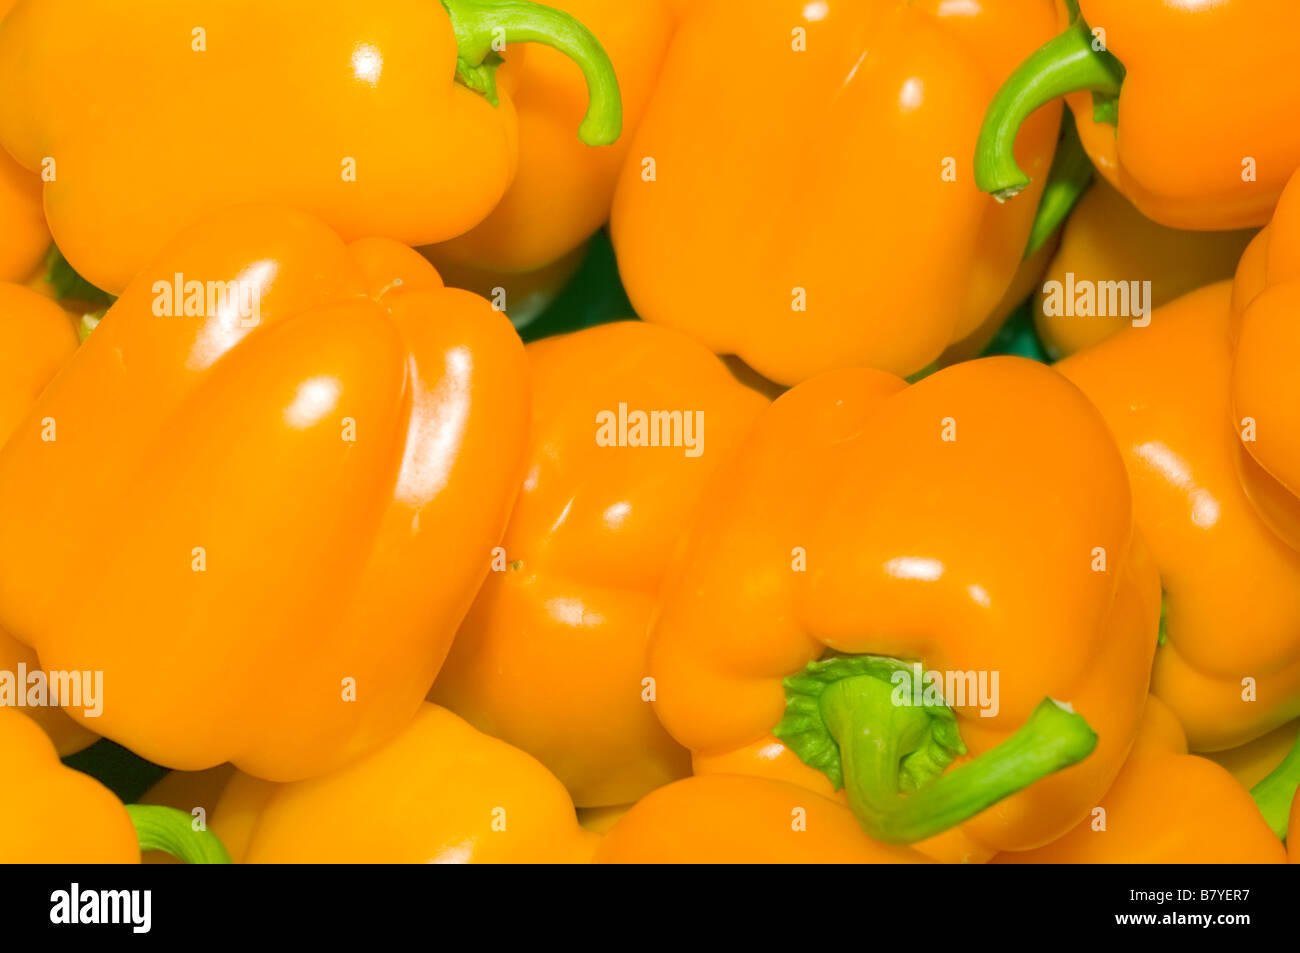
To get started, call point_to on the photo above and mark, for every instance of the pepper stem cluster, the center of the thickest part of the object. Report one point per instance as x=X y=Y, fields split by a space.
x=842 y=718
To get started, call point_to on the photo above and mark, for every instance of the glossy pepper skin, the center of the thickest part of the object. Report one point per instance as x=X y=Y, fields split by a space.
x=55 y=815
x=1265 y=298
x=287 y=507
x=736 y=820
x=1107 y=239
x=36 y=339
x=551 y=657
x=816 y=176
x=912 y=550
x=439 y=792
x=1194 y=142
x=352 y=112
x=562 y=188
x=1230 y=663
x=1166 y=807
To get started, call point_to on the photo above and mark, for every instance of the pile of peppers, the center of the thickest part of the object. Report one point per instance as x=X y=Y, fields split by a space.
x=523 y=415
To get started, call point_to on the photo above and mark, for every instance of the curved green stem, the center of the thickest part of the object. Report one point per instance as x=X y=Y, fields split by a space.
x=1275 y=793
x=1069 y=178
x=480 y=23
x=170 y=830
x=1066 y=64
x=848 y=718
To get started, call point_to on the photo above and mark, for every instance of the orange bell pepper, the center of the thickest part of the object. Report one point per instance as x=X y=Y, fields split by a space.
x=816 y=209
x=863 y=568
x=439 y=792
x=1266 y=296
x=380 y=118
x=734 y=820
x=563 y=189
x=1195 y=142
x=551 y=657
x=50 y=814
x=36 y=339
x=276 y=471
x=1230 y=663
x=1106 y=239
x=1166 y=807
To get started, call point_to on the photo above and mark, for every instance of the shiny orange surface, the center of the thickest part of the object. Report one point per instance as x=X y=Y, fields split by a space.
x=275 y=516
x=439 y=792
x=1230 y=668
x=50 y=814
x=1166 y=807
x=1186 y=124
x=734 y=820
x=916 y=550
x=149 y=133
x=1106 y=239
x=552 y=656
x=816 y=178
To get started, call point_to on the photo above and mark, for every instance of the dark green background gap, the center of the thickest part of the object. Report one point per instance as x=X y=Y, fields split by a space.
x=594 y=296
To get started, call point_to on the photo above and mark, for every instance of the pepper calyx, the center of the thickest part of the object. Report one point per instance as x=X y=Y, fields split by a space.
x=805 y=730
x=874 y=732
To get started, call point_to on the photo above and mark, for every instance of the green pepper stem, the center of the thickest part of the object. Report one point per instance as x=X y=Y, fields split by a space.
x=874 y=735
x=1066 y=64
x=1276 y=792
x=170 y=830
x=480 y=23
x=1069 y=178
